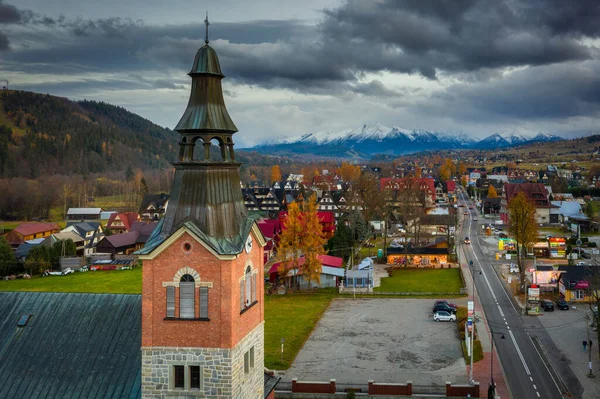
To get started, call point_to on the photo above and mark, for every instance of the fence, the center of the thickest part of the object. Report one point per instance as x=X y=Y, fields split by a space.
x=331 y=389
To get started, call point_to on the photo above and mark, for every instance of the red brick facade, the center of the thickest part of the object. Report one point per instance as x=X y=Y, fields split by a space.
x=226 y=326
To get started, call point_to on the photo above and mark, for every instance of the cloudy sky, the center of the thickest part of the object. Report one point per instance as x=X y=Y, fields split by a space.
x=474 y=67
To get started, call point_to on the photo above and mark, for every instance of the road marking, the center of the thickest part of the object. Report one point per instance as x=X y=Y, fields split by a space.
x=545 y=365
x=534 y=387
x=519 y=352
x=538 y=394
x=531 y=378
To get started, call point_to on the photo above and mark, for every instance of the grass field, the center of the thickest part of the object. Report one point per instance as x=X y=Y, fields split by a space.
x=105 y=282
x=293 y=318
x=443 y=281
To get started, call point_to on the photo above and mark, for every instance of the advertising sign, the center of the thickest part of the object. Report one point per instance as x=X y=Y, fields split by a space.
x=470 y=307
x=533 y=299
x=580 y=285
x=558 y=247
x=500 y=245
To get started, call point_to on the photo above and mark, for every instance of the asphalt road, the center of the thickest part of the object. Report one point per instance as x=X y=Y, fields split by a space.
x=527 y=374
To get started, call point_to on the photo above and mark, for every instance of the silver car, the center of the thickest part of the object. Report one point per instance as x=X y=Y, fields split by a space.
x=444 y=316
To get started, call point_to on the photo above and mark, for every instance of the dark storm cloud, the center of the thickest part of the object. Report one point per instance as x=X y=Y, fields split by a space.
x=472 y=41
x=9 y=14
x=551 y=92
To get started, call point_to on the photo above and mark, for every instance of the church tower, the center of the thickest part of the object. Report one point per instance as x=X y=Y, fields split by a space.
x=203 y=268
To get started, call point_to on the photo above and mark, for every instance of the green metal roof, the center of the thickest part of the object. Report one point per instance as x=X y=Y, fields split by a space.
x=206 y=61
x=80 y=346
x=206 y=111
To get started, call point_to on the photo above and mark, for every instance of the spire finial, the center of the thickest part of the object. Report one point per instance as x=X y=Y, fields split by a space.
x=206 y=23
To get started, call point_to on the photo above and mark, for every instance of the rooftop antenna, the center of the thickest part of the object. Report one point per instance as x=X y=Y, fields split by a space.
x=206 y=23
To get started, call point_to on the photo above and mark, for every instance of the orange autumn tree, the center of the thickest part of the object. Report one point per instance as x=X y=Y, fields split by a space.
x=302 y=236
x=348 y=172
x=492 y=192
x=275 y=174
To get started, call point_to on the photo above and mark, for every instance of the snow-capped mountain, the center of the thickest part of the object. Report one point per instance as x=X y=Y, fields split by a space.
x=374 y=139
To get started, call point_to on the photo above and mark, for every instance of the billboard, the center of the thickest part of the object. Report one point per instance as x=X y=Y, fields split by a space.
x=558 y=247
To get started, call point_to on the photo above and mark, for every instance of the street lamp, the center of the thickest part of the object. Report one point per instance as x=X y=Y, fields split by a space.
x=492 y=388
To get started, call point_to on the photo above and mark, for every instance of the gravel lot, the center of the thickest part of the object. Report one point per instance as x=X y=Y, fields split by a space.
x=386 y=340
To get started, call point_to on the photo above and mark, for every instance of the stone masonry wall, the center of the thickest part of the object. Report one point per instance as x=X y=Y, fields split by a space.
x=251 y=385
x=156 y=369
x=223 y=373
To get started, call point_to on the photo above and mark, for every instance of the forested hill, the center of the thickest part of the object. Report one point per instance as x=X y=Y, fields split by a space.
x=41 y=134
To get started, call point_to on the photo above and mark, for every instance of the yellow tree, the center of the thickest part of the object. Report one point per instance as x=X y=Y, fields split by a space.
x=492 y=192
x=288 y=248
x=275 y=173
x=348 y=172
x=464 y=180
x=313 y=240
x=523 y=228
x=447 y=169
x=302 y=236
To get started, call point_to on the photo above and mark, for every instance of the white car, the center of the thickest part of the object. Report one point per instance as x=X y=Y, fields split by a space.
x=444 y=316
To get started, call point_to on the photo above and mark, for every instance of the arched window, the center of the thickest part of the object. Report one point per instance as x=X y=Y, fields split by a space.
x=248 y=289
x=186 y=297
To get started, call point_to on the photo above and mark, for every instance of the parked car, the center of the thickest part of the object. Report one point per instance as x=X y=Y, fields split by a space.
x=585 y=255
x=502 y=235
x=444 y=308
x=465 y=212
x=475 y=218
x=562 y=304
x=467 y=241
x=547 y=305
x=443 y=301
x=444 y=316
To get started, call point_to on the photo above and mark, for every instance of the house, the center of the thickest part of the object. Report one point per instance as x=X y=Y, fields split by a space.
x=326 y=219
x=569 y=209
x=153 y=206
x=91 y=232
x=395 y=186
x=360 y=277
x=119 y=244
x=574 y=284
x=23 y=249
x=331 y=272
x=491 y=206
x=29 y=231
x=144 y=229
x=84 y=213
x=67 y=235
x=271 y=229
x=427 y=256
x=545 y=212
x=121 y=222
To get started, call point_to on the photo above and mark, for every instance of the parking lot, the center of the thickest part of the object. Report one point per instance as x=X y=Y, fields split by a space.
x=386 y=340
x=568 y=328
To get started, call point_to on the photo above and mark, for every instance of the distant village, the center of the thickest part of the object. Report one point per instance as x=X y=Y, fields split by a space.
x=412 y=204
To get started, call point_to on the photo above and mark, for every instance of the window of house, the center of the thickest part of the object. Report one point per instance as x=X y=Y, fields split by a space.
x=248 y=289
x=247 y=362
x=252 y=357
x=195 y=377
x=579 y=294
x=186 y=297
x=179 y=377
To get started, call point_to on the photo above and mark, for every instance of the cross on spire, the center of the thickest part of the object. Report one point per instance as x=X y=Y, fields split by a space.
x=206 y=23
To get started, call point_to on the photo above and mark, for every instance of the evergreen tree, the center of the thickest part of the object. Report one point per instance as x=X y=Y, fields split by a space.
x=129 y=173
x=341 y=242
x=7 y=256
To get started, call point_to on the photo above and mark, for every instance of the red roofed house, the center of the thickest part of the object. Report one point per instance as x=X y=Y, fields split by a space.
x=332 y=272
x=29 y=231
x=121 y=222
x=545 y=212
x=271 y=228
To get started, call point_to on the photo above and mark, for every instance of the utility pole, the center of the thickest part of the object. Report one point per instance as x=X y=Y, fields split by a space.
x=590 y=374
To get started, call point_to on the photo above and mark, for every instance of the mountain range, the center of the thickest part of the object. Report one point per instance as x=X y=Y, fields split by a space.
x=369 y=140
